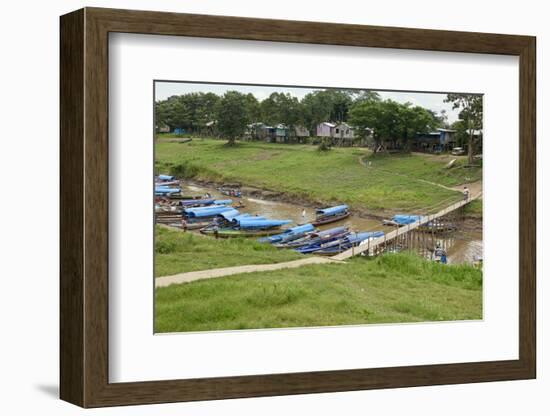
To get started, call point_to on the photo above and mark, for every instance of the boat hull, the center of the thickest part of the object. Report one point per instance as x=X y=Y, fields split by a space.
x=240 y=233
x=331 y=219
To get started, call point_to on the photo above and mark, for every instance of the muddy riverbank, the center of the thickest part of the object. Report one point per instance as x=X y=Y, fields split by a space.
x=463 y=245
x=274 y=196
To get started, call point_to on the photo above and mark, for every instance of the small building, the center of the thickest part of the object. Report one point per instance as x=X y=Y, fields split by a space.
x=281 y=133
x=435 y=141
x=343 y=131
x=254 y=131
x=301 y=132
x=325 y=129
x=163 y=128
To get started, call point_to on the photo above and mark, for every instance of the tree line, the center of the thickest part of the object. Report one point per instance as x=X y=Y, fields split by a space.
x=386 y=121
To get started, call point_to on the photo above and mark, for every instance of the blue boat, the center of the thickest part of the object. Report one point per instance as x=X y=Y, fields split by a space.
x=196 y=202
x=289 y=234
x=236 y=221
x=340 y=245
x=400 y=220
x=316 y=238
x=162 y=191
x=331 y=214
x=204 y=202
x=203 y=212
x=260 y=224
x=229 y=214
x=166 y=177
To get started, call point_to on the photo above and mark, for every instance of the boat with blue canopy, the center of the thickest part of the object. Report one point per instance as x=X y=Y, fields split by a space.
x=254 y=223
x=339 y=245
x=204 y=202
x=401 y=219
x=230 y=214
x=289 y=234
x=166 y=177
x=316 y=237
x=203 y=212
x=161 y=190
x=331 y=214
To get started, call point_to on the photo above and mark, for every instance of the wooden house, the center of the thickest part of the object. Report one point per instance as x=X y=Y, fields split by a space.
x=325 y=129
x=301 y=132
x=435 y=141
x=343 y=131
x=281 y=133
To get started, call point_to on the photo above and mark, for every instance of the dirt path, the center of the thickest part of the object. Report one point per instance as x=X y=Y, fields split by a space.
x=228 y=271
x=476 y=188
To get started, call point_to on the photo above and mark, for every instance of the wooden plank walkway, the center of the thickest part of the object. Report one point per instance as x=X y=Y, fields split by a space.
x=372 y=244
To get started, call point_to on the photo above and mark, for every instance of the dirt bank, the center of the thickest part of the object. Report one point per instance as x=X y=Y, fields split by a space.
x=270 y=195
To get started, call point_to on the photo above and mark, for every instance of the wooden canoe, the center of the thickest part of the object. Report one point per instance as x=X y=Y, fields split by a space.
x=329 y=219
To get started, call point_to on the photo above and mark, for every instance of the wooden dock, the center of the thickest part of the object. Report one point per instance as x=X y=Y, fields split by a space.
x=374 y=243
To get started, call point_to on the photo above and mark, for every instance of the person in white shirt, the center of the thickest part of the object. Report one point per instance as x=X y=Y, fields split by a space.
x=466 y=193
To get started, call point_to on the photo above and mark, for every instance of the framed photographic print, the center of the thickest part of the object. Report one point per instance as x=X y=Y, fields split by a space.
x=255 y=207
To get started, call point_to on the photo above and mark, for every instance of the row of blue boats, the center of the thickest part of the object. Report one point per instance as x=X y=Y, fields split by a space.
x=306 y=240
x=219 y=217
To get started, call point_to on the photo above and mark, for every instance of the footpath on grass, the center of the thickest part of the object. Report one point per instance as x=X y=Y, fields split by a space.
x=228 y=271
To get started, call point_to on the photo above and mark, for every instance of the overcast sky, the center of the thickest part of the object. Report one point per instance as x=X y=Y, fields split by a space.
x=431 y=101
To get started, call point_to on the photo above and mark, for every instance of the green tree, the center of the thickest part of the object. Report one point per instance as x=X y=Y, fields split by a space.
x=282 y=108
x=253 y=109
x=232 y=116
x=326 y=105
x=471 y=112
x=413 y=120
x=364 y=95
x=391 y=121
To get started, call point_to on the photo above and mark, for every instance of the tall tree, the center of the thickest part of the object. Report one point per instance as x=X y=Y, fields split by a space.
x=366 y=116
x=253 y=109
x=390 y=121
x=413 y=120
x=471 y=113
x=232 y=117
x=364 y=95
x=282 y=108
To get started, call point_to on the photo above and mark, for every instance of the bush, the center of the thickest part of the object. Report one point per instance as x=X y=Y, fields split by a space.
x=165 y=246
x=184 y=170
x=324 y=145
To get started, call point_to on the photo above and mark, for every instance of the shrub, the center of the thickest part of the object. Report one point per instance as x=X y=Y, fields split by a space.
x=165 y=246
x=324 y=145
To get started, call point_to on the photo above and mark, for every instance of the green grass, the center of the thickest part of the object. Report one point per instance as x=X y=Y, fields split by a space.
x=427 y=167
x=391 y=184
x=474 y=209
x=178 y=252
x=390 y=288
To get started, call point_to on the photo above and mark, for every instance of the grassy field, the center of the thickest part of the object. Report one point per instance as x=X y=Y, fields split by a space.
x=474 y=209
x=390 y=288
x=390 y=183
x=178 y=252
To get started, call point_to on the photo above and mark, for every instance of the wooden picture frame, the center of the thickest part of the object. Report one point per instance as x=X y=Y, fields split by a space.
x=84 y=207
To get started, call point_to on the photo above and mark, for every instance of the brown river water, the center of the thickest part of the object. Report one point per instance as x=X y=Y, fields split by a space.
x=462 y=245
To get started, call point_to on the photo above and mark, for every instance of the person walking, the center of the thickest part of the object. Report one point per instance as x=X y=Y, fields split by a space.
x=304 y=214
x=184 y=224
x=466 y=193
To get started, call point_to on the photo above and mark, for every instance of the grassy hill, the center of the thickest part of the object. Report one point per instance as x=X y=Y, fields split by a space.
x=344 y=175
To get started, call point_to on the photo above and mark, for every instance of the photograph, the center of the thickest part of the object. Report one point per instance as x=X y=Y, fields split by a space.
x=279 y=206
